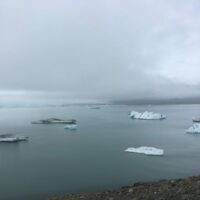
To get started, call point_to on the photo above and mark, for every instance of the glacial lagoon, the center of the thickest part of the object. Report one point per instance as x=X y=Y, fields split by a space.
x=92 y=158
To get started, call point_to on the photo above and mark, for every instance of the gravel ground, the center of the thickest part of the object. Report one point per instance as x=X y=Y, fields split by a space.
x=179 y=189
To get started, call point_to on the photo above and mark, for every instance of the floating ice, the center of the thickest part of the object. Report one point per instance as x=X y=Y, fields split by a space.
x=146 y=115
x=146 y=150
x=95 y=107
x=54 y=121
x=12 y=138
x=195 y=128
x=70 y=126
x=196 y=120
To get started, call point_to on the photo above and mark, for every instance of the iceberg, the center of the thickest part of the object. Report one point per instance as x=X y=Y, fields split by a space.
x=146 y=115
x=195 y=128
x=12 y=138
x=54 y=121
x=146 y=150
x=196 y=120
x=70 y=126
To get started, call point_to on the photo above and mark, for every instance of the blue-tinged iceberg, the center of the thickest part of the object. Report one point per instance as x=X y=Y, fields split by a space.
x=70 y=126
x=146 y=150
x=146 y=115
x=195 y=128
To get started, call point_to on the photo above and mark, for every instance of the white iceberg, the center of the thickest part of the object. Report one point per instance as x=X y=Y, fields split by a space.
x=146 y=115
x=146 y=150
x=12 y=138
x=195 y=128
x=70 y=126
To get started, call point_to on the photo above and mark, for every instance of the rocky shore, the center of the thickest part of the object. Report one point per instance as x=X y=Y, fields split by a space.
x=179 y=189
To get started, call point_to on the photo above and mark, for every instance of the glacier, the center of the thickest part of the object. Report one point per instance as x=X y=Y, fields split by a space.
x=146 y=115
x=146 y=150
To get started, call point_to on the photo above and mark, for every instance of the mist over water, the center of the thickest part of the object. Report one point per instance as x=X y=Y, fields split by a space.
x=18 y=99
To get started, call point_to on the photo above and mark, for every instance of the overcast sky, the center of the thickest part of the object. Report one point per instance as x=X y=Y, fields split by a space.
x=105 y=49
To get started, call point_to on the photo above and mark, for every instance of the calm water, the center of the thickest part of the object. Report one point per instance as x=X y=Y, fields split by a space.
x=56 y=161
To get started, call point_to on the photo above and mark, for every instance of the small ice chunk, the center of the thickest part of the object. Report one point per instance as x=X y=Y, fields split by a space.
x=95 y=107
x=195 y=128
x=70 y=126
x=146 y=115
x=12 y=138
x=146 y=150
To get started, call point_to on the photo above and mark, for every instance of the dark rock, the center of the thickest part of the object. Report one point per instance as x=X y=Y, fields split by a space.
x=180 y=189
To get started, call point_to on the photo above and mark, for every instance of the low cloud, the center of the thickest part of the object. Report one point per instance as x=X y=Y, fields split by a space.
x=101 y=49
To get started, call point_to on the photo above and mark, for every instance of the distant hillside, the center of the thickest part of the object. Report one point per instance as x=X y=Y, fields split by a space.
x=188 y=100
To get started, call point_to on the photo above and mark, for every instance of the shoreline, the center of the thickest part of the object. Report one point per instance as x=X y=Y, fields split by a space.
x=174 y=189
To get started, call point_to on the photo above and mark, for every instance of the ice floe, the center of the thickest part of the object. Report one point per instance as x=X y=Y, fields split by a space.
x=195 y=128
x=70 y=126
x=12 y=138
x=146 y=115
x=55 y=121
x=95 y=107
x=146 y=150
